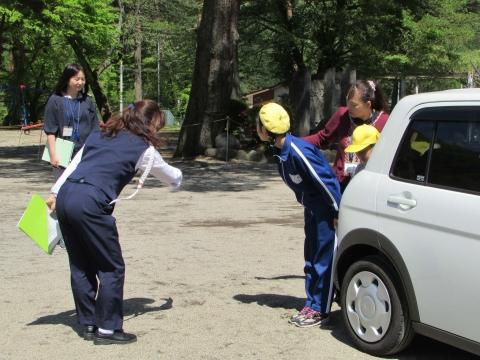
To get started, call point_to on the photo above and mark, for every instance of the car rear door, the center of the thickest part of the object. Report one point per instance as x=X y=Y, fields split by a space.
x=429 y=207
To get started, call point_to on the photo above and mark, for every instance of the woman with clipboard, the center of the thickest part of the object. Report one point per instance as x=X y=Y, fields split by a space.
x=69 y=114
x=84 y=198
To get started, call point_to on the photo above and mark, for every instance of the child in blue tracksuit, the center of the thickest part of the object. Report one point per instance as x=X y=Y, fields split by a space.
x=306 y=171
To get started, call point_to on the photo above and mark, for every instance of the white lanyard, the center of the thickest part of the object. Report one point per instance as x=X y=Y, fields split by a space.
x=378 y=117
x=141 y=181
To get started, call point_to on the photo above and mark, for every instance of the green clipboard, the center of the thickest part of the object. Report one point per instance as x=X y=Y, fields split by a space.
x=39 y=225
x=64 y=150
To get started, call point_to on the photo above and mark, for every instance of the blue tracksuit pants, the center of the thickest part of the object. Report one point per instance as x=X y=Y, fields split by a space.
x=90 y=234
x=319 y=251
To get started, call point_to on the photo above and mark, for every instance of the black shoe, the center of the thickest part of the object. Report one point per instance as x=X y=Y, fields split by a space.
x=118 y=337
x=89 y=332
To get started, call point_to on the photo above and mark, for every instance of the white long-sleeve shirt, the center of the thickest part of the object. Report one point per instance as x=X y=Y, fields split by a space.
x=167 y=174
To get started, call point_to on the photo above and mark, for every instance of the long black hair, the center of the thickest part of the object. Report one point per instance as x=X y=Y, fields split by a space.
x=70 y=71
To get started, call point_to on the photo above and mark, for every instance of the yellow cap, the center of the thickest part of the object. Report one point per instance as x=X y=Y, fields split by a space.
x=274 y=118
x=363 y=136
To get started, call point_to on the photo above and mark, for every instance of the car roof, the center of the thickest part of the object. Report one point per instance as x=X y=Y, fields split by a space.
x=470 y=94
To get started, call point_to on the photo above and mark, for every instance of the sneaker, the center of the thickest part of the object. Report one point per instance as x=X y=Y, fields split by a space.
x=312 y=318
x=300 y=314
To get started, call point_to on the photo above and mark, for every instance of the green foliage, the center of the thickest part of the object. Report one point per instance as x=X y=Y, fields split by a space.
x=378 y=38
x=92 y=21
x=44 y=30
x=423 y=38
x=170 y=24
x=436 y=44
x=35 y=46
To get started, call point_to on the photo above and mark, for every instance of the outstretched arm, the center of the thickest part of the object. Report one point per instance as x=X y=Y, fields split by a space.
x=169 y=175
x=328 y=134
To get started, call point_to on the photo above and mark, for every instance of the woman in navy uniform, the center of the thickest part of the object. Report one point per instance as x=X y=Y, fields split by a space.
x=84 y=194
x=69 y=114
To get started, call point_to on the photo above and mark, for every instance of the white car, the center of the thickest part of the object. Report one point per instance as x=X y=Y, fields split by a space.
x=408 y=259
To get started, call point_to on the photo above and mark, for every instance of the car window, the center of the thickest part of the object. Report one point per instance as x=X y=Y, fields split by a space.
x=455 y=160
x=411 y=160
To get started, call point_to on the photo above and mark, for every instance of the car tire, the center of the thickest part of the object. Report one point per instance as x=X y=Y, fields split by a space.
x=374 y=309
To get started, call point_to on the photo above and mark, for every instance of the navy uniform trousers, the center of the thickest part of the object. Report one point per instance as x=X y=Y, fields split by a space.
x=91 y=238
x=319 y=251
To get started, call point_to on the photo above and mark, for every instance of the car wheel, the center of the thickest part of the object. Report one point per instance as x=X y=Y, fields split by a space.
x=373 y=310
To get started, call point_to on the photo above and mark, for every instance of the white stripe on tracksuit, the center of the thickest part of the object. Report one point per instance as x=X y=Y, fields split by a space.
x=330 y=294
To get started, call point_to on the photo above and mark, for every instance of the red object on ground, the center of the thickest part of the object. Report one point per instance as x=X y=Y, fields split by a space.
x=33 y=126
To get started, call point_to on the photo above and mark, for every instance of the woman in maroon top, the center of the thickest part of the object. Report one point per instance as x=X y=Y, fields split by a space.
x=365 y=105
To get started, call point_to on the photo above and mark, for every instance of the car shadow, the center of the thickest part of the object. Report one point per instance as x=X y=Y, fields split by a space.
x=421 y=348
x=131 y=308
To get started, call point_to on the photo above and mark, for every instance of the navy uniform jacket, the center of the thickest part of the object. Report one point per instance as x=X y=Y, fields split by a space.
x=57 y=116
x=109 y=163
x=306 y=171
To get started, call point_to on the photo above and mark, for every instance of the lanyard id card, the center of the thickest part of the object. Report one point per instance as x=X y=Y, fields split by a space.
x=351 y=163
x=67 y=131
x=349 y=168
x=72 y=130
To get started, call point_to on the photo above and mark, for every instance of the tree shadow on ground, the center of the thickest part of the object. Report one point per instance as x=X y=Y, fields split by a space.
x=205 y=176
x=131 y=308
x=26 y=164
x=198 y=175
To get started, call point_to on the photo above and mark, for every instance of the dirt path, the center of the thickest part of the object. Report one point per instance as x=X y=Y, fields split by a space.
x=213 y=271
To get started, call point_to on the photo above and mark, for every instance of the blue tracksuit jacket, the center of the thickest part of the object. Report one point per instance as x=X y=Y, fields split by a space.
x=306 y=171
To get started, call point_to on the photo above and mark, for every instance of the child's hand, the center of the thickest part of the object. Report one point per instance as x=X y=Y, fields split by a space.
x=51 y=202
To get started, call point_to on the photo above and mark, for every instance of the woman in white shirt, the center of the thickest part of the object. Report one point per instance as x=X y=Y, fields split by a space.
x=85 y=197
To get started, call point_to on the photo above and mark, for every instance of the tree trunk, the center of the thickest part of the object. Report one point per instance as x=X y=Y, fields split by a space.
x=92 y=78
x=395 y=97
x=316 y=103
x=349 y=77
x=300 y=84
x=300 y=100
x=330 y=93
x=35 y=110
x=3 y=32
x=138 y=54
x=214 y=79
x=16 y=97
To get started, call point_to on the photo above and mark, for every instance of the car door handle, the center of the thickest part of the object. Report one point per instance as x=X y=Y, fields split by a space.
x=403 y=202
